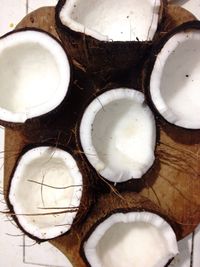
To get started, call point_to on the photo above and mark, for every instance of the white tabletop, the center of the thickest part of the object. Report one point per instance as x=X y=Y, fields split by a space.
x=16 y=250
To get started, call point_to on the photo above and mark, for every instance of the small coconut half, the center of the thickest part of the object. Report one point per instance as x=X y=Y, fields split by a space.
x=118 y=134
x=34 y=75
x=174 y=81
x=136 y=239
x=45 y=192
x=108 y=20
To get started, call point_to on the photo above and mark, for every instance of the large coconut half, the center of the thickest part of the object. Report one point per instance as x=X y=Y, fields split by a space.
x=118 y=134
x=105 y=36
x=34 y=75
x=174 y=81
x=136 y=239
x=45 y=192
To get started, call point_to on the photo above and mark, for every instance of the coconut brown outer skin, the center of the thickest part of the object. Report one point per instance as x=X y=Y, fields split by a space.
x=101 y=57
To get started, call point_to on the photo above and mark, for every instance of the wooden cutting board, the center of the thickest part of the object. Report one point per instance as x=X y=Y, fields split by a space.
x=174 y=181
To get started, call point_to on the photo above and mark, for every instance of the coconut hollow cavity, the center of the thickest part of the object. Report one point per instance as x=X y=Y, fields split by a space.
x=110 y=20
x=137 y=239
x=34 y=75
x=175 y=80
x=118 y=134
x=45 y=192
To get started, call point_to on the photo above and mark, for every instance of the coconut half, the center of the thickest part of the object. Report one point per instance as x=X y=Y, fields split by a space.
x=108 y=20
x=174 y=82
x=34 y=75
x=106 y=37
x=45 y=192
x=137 y=239
x=118 y=134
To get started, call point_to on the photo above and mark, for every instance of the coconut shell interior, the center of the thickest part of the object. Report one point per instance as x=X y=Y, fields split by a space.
x=171 y=187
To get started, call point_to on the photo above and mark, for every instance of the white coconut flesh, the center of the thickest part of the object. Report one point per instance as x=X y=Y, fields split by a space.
x=175 y=80
x=118 y=134
x=110 y=20
x=46 y=191
x=34 y=75
x=134 y=239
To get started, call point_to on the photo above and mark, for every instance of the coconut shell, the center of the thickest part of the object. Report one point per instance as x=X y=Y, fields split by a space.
x=102 y=58
x=170 y=196
x=34 y=123
x=87 y=193
x=157 y=47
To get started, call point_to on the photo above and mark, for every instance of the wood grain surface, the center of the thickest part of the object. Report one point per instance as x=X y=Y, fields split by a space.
x=173 y=183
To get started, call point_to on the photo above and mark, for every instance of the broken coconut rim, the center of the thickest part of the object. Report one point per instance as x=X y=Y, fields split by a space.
x=174 y=81
x=108 y=20
x=45 y=192
x=141 y=239
x=34 y=75
x=118 y=134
